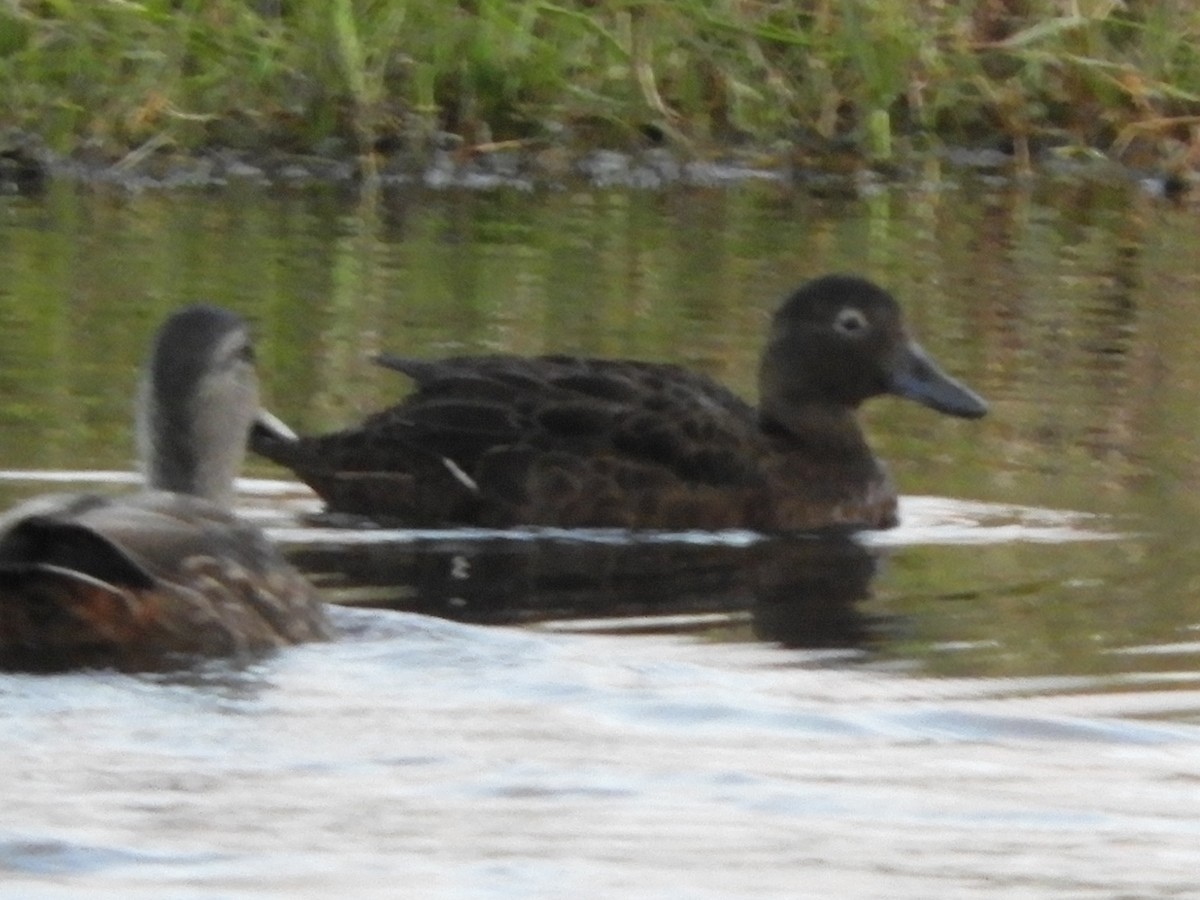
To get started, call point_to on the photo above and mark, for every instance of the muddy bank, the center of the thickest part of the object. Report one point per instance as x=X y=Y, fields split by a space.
x=27 y=166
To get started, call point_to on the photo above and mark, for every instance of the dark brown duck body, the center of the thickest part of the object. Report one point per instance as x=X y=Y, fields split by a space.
x=143 y=582
x=156 y=578
x=565 y=441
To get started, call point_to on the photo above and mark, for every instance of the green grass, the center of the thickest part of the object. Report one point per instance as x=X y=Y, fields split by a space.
x=875 y=78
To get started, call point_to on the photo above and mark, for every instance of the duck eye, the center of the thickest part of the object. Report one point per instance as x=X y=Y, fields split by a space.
x=234 y=355
x=850 y=321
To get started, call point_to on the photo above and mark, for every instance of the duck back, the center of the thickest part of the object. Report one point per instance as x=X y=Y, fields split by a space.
x=575 y=442
x=143 y=581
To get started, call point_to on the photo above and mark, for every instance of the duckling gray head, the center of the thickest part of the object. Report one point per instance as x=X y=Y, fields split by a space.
x=197 y=402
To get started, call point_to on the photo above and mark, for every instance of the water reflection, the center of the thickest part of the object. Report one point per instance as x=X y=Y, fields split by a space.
x=1014 y=654
x=1069 y=302
x=801 y=591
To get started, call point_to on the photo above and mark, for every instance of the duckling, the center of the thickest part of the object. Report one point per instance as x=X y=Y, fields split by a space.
x=158 y=577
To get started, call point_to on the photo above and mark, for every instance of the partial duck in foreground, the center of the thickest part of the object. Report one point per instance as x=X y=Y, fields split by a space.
x=150 y=579
x=497 y=441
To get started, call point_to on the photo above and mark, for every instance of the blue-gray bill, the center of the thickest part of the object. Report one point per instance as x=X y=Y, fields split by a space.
x=917 y=377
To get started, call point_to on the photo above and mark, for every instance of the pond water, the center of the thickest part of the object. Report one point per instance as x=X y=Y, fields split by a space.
x=1001 y=697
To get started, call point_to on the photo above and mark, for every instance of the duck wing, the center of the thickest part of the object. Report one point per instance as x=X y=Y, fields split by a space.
x=502 y=439
x=141 y=581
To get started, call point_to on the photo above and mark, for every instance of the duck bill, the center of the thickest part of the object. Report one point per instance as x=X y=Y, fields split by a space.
x=917 y=377
x=269 y=424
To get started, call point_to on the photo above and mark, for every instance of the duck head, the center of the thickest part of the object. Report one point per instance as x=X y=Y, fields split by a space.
x=839 y=340
x=198 y=399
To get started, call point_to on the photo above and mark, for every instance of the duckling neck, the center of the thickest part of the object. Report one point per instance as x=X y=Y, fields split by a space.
x=187 y=453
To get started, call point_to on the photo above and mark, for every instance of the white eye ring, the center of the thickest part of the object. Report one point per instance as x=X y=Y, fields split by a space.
x=850 y=321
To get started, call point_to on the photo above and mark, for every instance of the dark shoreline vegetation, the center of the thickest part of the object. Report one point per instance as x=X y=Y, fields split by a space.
x=184 y=92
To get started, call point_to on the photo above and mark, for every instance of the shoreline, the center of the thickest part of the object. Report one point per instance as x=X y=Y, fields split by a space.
x=338 y=90
x=28 y=167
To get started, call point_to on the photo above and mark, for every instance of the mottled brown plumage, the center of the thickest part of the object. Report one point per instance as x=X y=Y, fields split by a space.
x=155 y=578
x=557 y=440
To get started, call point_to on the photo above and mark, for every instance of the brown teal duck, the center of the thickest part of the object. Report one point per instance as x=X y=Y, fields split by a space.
x=158 y=577
x=498 y=441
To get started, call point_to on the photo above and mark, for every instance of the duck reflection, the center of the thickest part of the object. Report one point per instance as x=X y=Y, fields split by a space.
x=798 y=591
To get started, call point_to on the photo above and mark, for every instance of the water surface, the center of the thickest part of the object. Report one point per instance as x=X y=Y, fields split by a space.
x=998 y=698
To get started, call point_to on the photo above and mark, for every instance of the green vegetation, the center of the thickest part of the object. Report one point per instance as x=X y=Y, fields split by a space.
x=872 y=78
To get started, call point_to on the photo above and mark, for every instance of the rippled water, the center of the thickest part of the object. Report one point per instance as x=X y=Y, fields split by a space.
x=999 y=698
x=419 y=757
